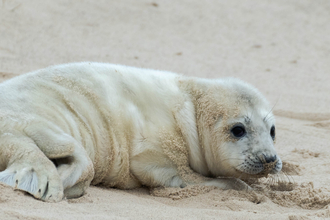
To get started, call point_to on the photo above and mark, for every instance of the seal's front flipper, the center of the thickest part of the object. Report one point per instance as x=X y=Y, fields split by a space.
x=76 y=171
x=72 y=161
x=28 y=169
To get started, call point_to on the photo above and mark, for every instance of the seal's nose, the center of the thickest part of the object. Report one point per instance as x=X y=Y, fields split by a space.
x=270 y=159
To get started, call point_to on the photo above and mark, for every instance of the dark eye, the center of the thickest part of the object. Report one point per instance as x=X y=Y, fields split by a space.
x=272 y=132
x=238 y=131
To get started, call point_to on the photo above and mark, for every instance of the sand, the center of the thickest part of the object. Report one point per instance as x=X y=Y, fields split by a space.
x=282 y=47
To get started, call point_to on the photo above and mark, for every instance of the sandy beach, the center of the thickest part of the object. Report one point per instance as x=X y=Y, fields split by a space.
x=281 y=47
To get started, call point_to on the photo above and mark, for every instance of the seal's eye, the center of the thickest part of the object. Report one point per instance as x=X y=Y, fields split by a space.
x=272 y=132
x=238 y=131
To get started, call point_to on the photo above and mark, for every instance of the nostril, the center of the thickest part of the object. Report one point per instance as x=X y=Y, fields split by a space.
x=270 y=159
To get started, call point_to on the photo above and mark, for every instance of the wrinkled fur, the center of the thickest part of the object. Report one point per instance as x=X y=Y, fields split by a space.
x=65 y=127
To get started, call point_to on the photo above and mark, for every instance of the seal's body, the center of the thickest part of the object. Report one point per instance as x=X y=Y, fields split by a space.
x=64 y=127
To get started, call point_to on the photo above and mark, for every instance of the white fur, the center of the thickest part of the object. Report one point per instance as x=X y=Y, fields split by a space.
x=123 y=127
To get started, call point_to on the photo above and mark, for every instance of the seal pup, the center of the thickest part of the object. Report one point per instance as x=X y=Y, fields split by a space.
x=68 y=126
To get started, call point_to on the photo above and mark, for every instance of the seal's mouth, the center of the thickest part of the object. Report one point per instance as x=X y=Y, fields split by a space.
x=258 y=167
x=246 y=176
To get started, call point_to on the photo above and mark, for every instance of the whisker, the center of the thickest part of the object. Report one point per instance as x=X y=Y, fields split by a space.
x=269 y=118
x=288 y=177
x=272 y=107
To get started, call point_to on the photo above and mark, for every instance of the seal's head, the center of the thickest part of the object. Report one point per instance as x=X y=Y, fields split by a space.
x=238 y=131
